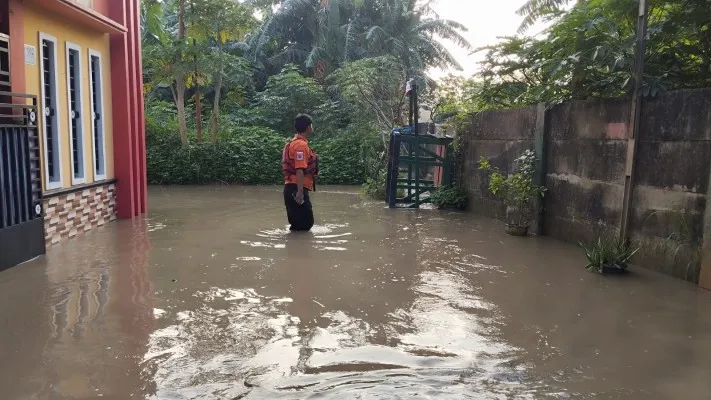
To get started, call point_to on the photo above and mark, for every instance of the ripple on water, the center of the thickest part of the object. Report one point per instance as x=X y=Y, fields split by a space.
x=210 y=352
x=442 y=344
x=262 y=244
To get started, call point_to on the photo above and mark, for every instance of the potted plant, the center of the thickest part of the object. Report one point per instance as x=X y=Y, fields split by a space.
x=608 y=256
x=517 y=190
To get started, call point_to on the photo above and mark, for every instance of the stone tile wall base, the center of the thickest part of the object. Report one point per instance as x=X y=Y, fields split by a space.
x=70 y=215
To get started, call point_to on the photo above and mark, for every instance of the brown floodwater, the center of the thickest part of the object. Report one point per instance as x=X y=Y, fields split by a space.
x=210 y=297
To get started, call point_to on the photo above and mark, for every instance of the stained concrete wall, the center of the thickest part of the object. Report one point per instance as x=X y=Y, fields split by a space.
x=585 y=147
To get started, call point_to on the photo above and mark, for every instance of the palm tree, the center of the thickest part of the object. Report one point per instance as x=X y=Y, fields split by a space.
x=325 y=34
x=412 y=33
x=534 y=10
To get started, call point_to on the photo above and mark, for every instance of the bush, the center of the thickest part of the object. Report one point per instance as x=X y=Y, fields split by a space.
x=374 y=188
x=454 y=196
x=345 y=159
x=250 y=155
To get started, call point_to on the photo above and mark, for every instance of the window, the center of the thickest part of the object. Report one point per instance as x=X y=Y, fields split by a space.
x=50 y=126
x=96 y=85
x=85 y=3
x=75 y=102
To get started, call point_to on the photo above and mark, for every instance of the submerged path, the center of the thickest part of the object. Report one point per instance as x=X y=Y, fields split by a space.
x=211 y=298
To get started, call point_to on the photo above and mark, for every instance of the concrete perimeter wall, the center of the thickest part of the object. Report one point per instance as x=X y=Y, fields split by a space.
x=584 y=150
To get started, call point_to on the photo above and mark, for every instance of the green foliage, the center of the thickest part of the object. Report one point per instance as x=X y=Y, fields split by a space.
x=374 y=187
x=249 y=156
x=324 y=35
x=589 y=53
x=374 y=89
x=451 y=196
x=290 y=93
x=346 y=159
x=686 y=243
x=452 y=99
x=608 y=252
x=683 y=245
x=517 y=189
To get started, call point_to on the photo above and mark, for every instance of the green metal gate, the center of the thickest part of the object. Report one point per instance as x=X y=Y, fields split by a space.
x=413 y=165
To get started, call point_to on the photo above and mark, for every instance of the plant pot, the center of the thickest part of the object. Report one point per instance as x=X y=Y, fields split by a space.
x=517 y=230
x=613 y=269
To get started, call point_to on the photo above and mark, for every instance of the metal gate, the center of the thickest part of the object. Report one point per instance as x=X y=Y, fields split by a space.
x=21 y=222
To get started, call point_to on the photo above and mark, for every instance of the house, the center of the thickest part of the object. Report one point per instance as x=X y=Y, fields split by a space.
x=72 y=139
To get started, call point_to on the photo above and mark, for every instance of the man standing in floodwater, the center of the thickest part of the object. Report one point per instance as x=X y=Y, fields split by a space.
x=300 y=166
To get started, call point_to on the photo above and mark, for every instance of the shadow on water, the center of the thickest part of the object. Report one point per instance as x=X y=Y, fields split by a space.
x=212 y=298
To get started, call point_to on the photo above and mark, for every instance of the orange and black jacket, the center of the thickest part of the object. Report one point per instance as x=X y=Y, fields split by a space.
x=298 y=155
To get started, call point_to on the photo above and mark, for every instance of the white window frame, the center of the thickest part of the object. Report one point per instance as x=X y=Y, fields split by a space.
x=49 y=184
x=102 y=148
x=86 y=3
x=76 y=180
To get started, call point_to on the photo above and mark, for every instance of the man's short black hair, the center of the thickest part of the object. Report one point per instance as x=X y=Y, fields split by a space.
x=302 y=122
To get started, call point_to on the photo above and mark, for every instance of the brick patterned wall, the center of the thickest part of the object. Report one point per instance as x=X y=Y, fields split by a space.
x=69 y=215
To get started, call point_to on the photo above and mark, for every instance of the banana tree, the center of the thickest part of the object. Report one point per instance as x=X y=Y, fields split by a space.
x=223 y=25
x=164 y=53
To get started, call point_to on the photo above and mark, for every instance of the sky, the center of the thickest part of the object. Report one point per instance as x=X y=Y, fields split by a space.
x=486 y=20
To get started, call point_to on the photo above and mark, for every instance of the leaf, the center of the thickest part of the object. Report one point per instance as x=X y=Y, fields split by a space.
x=626 y=83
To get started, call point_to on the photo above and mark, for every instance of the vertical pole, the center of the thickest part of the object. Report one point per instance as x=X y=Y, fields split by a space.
x=142 y=177
x=389 y=171
x=408 y=144
x=540 y=145
x=705 y=273
x=134 y=29
x=415 y=107
x=632 y=142
x=410 y=99
x=122 y=114
x=395 y=166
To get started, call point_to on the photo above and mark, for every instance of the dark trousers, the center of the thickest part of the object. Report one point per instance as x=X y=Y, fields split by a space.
x=301 y=217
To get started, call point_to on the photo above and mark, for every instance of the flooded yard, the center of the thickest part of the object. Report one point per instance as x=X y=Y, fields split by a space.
x=211 y=297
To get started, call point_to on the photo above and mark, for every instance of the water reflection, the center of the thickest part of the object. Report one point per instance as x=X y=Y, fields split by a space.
x=409 y=323
x=95 y=314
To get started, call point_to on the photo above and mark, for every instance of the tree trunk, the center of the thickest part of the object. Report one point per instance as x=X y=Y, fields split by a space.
x=198 y=115
x=180 y=105
x=180 y=81
x=215 y=119
x=198 y=104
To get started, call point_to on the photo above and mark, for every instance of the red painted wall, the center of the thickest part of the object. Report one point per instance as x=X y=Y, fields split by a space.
x=127 y=95
x=17 y=46
x=129 y=128
x=102 y=7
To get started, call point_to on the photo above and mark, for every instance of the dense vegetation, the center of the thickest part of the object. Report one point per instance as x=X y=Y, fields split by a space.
x=224 y=78
x=588 y=52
